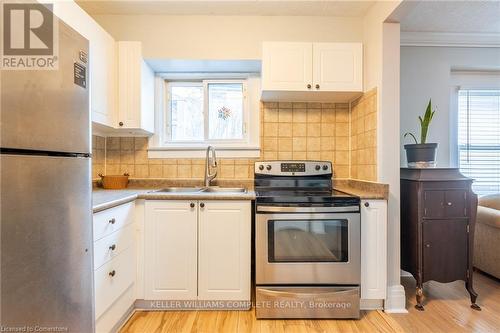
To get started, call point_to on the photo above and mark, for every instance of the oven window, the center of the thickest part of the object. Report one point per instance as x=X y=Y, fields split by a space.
x=308 y=240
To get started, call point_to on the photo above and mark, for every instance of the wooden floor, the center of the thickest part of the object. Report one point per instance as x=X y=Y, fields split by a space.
x=447 y=309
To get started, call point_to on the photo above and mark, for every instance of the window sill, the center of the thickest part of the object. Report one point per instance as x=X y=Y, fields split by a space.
x=200 y=152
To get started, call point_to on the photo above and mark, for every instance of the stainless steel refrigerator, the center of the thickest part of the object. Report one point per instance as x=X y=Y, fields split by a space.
x=45 y=189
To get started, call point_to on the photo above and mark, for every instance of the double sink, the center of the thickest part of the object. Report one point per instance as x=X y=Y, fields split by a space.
x=211 y=189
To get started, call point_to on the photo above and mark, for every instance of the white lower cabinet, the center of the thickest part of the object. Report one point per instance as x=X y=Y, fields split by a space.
x=170 y=256
x=224 y=250
x=197 y=250
x=373 y=249
x=115 y=265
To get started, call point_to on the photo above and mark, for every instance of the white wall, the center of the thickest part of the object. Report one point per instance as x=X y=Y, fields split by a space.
x=381 y=71
x=372 y=42
x=426 y=73
x=224 y=37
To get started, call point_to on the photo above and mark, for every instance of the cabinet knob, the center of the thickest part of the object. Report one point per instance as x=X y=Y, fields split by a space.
x=120 y=123
x=112 y=273
x=448 y=203
x=427 y=245
x=317 y=86
x=367 y=204
x=191 y=205
x=309 y=86
x=112 y=221
x=202 y=205
x=112 y=247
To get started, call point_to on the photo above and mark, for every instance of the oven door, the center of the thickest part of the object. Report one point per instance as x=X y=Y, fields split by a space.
x=307 y=245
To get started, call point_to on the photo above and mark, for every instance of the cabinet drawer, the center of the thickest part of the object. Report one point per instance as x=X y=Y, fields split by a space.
x=110 y=246
x=110 y=220
x=455 y=203
x=317 y=302
x=117 y=313
x=108 y=288
x=445 y=204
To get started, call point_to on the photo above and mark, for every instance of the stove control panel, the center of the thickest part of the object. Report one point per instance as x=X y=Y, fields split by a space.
x=293 y=168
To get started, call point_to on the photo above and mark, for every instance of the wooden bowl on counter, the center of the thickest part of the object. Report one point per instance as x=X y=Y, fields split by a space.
x=114 y=182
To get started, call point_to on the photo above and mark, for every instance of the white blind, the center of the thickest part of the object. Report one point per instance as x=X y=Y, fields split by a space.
x=479 y=138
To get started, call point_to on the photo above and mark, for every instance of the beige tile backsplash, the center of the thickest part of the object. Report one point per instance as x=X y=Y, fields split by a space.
x=98 y=155
x=308 y=131
x=364 y=137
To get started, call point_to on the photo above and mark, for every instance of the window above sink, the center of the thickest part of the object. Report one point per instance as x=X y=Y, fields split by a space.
x=220 y=109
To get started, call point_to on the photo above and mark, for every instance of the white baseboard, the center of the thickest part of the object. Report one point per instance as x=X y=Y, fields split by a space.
x=396 y=300
x=371 y=304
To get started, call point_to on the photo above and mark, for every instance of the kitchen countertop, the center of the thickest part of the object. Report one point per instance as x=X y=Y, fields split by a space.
x=362 y=189
x=144 y=189
x=104 y=199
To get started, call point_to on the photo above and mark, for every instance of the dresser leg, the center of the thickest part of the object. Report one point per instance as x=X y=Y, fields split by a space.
x=473 y=294
x=420 y=297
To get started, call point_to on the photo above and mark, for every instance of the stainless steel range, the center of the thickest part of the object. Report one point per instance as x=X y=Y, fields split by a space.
x=307 y=242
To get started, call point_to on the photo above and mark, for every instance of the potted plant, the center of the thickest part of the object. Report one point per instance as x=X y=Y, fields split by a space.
x=423 y=154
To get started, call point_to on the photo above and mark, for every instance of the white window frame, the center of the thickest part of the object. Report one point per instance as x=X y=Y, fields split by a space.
x=161 y=145
x=466 y=80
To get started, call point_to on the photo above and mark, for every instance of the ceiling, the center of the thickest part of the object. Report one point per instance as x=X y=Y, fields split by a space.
x=228 y=7
x=453 y=17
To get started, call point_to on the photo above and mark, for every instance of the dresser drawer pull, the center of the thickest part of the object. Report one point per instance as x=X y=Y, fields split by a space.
x=112 y=221
x=112 y=247
x=112 y=273
x=448 y=203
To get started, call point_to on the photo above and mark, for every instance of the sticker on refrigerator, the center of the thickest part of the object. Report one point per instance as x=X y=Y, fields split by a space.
x=82 y=55
x=80 y=75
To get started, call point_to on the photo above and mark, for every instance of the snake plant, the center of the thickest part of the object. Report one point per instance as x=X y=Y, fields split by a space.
x=424 y=124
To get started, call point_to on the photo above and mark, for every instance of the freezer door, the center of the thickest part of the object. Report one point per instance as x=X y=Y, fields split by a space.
x=46 y=242
x=46 y=110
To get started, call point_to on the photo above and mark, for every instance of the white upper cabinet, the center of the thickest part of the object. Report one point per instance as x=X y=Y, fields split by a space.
x=102 y=61
x=338 y=66
x=311 y=71
x=287 y=66
x=135 y=90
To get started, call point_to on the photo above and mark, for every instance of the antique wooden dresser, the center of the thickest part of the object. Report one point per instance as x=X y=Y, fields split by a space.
x=438 y=213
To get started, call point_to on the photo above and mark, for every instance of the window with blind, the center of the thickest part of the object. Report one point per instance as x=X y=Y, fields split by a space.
x=479 y=138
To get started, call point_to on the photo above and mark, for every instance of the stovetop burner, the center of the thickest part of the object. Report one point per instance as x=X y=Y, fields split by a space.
x=298 y=183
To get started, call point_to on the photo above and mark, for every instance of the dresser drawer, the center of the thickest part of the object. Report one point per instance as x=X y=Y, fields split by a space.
x=112 y=245
x=113 y=278
x=445 y=204
x=110 y=220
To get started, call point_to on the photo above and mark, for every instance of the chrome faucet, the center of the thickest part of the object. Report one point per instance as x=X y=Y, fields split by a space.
x=210 y=162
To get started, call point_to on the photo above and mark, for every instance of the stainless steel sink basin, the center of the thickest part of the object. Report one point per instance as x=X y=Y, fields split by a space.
x=211 y=189
x=216 y=189
x=180 y=189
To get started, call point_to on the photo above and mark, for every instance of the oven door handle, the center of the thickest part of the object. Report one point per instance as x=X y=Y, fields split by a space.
x=270 y=292
x=280 y=209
